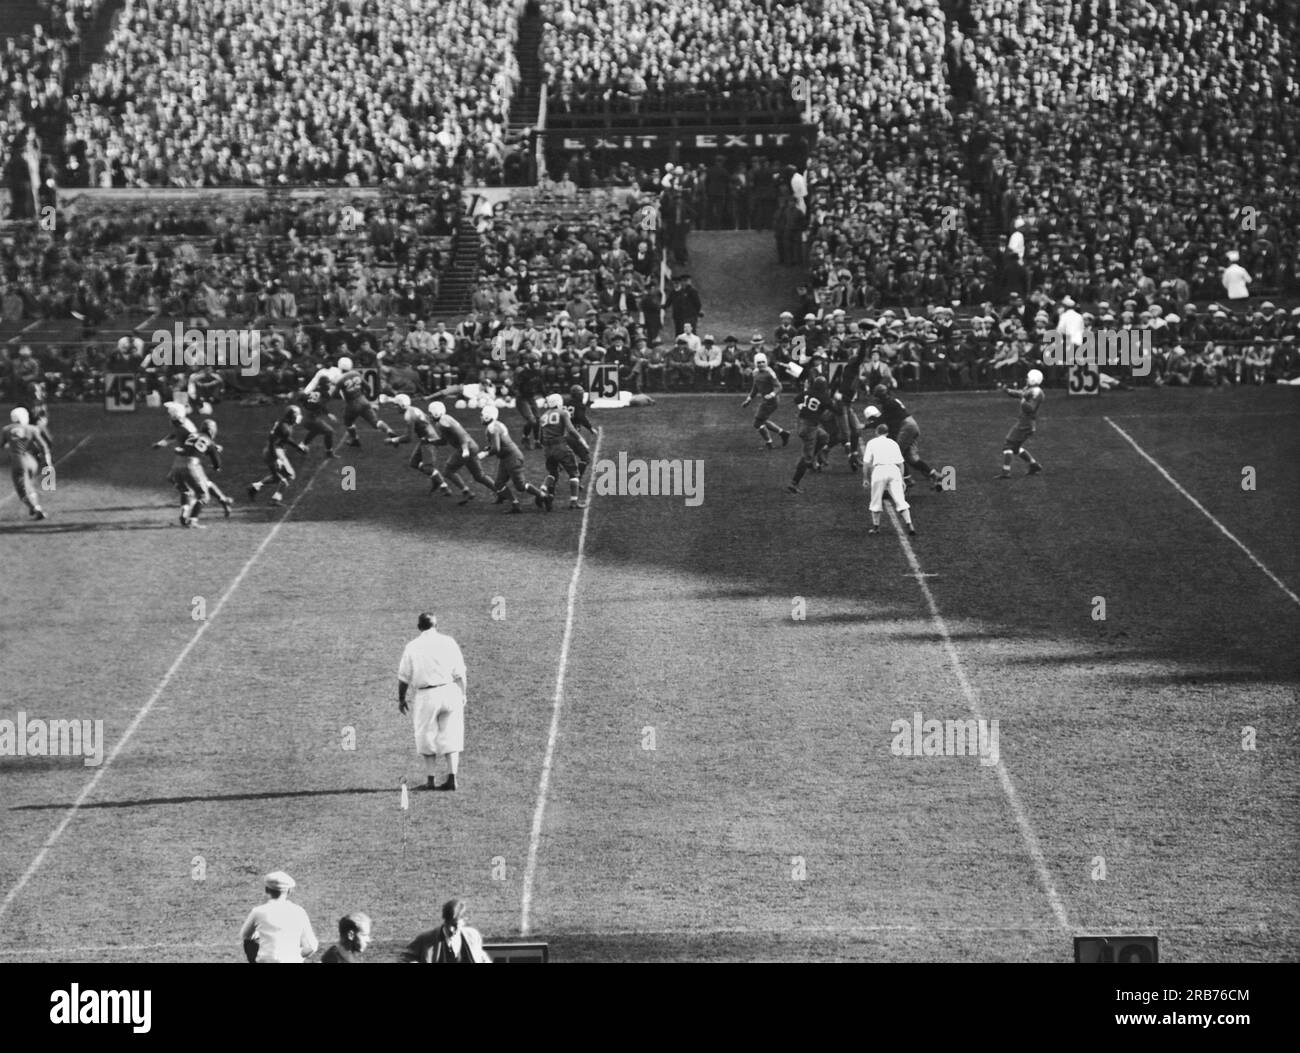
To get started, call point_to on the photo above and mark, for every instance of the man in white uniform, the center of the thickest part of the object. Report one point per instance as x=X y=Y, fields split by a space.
x=280 y=929
x=882 y=469
x=432 y=667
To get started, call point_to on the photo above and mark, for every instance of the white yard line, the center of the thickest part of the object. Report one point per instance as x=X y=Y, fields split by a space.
x=1027 y=833
x=539 y=812
x=14 y=496
x=1205 y=512
x=144 y=710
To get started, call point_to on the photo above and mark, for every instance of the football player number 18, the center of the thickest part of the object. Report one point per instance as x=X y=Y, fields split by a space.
x=602 y=380
x=120 y=392
x=1083 y=379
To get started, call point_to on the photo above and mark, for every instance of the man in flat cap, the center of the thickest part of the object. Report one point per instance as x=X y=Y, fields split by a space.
x=278 y=930
x=434 y=669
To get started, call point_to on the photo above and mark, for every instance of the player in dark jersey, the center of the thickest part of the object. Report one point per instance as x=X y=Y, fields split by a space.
x=1031 y=398
x=188 y=444
x=317 y=418
x=29 y=454
x=846 y=393
x=464 y=451
x=529 y=382
x=352 y=386
x=420 y=430
x=276 y=457
x=557 y=431
x=510 y=461
x=904 y=431
x=578 y=407
x=208 y=426
x=766 y=387
x=812 y=404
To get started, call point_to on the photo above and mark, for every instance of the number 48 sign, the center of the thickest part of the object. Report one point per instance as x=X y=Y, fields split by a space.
x=602 y=380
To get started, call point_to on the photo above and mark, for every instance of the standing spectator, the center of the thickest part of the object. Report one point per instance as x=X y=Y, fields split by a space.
x=685 y=303
x=434 y=668
x=451 y=943
x=278 y=930
x=1236 y=280
x=354 y=938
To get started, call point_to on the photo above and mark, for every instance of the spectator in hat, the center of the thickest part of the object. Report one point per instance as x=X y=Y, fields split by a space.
x=1236 y=280
x=354 y=938
x=708 y=360
x=278 y=930
x=684 y=301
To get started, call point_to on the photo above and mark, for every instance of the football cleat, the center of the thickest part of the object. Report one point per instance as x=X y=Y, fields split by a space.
x=1035 y=468
x=792 y=489
x=252 y=493
x=549 y=501
x=874 y=530
x=785 y=439
x=515 y=509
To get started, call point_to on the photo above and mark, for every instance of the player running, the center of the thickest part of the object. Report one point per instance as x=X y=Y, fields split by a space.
x=510 y=462
x=904 y=431
x=420 y=430
x=352 y=386
x=578 y=406
x=187 y=474
x=208 y=426
x=315 y=399
x=29 y=454
x=812 y=404
x=276 y=457
x=465 y=451
x=557 y=432
x=767 y=389
x=849 y=427
x=1031 y=398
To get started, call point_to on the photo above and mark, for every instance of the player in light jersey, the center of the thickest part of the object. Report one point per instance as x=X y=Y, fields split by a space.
x=352 y=386
x=882 y=470
x=1031 y=398
x=557 y=432
x=188 y=444
x=767 y=389
x=276 y=457
x=29 y=453
x=420 y=430
x=510 y=461
x=464 y=451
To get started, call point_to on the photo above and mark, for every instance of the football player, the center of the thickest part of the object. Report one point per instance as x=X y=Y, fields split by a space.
x=1031 y=398
x=464 y=451
x=812 y=404
x=557 y=432
x=767 y=389
x=276 y=457
x=420 y=430
x=578 y=406
x=315 y=399
x=510 y=462
x=29 y=454
x=188 y=444
x=904 y=431
x=352 y=385
x=208 y=425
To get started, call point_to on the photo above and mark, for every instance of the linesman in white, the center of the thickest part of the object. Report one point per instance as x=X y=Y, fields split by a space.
x=278 y=930
x=433 y=668
x=882 y=470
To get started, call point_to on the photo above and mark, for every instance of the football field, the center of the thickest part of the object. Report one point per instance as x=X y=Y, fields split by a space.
x=681 y=725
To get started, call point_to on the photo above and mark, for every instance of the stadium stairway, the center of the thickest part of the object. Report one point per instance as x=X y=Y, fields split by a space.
x=458 y=280
x=742 y=287
x=527 y=99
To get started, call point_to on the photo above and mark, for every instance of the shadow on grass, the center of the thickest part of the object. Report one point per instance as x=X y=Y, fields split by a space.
x=147 y=802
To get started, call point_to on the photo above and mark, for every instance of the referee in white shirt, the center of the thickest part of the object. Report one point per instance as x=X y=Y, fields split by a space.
x=278 y=930
x=433 y=668
x=882 y=469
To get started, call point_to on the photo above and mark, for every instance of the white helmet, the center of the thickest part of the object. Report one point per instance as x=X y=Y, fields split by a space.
x=871 y=413
x=345 y=364
x=554 y=401
x=760 y=361
x=1034 y=378
x=18 y=416
x=403 y=402
x=176 y=411
x=489 y=414
x=437 y=410
x=205 y=409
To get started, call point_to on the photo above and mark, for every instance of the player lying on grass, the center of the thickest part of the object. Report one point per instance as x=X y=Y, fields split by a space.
x=29 y=454
x=1031 y=398
x=276 y=456
x=188 y=444
x=766 y=387
x=510 y=462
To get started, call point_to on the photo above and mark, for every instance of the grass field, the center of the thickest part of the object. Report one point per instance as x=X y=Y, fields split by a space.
x=771 y=820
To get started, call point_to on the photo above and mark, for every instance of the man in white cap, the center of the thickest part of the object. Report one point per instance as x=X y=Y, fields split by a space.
x=434 y=669
x=278 y=930
x=1236 y=280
